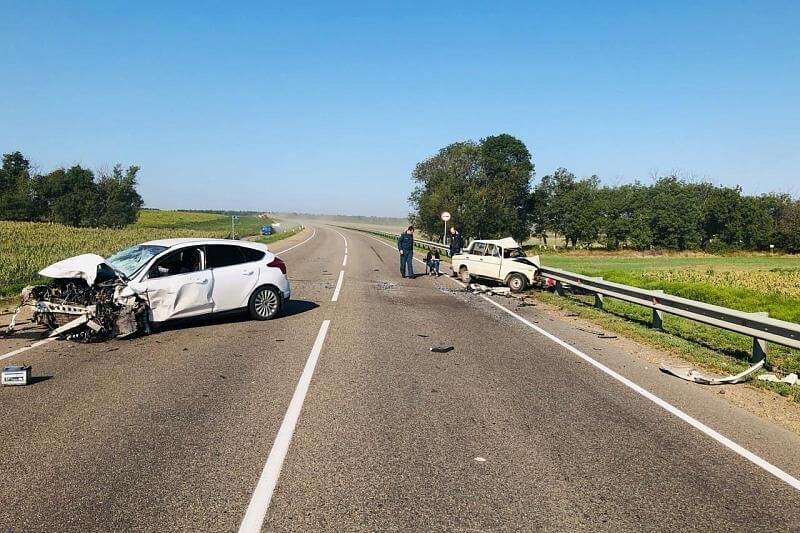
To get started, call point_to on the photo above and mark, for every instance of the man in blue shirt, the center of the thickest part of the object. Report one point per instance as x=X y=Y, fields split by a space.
x=406 y=246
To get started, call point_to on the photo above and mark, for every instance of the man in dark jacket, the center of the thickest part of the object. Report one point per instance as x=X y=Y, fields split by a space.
x=406 y=246
x=456 y=243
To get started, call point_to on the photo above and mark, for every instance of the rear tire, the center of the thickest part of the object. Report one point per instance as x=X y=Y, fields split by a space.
x=516 y=282
x=265 y=304
x=464 y=275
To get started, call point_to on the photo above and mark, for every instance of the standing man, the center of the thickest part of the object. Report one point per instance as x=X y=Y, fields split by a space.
x=456 y=243
x=406 y=246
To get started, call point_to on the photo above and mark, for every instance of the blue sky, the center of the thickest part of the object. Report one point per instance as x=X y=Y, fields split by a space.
x=327 y=107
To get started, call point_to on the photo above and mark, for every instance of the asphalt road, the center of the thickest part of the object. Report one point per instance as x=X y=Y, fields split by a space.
x=189 y=429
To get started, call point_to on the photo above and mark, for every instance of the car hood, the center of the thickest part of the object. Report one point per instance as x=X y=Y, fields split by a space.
x=78 y=267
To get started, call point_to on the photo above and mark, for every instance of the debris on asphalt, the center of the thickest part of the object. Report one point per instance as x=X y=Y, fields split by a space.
x=593 y=332
x=791 y=379
x=16 y=375
x=480 y=459
x=477 y=288
x=689 y=374
x=423 y=336
x=442 y=349
x=386 y=285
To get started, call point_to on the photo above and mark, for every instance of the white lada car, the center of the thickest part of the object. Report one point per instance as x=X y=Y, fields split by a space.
x=499 y=260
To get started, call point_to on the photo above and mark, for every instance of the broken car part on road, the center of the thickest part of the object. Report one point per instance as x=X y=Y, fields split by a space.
x=690 y=374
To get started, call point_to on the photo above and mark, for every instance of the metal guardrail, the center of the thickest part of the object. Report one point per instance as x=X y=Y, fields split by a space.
x=759 y=326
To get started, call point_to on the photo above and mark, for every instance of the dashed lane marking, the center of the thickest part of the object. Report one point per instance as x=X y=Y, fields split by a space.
x=262 y=495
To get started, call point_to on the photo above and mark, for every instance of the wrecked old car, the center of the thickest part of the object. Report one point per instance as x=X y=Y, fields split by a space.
x=499 y=260
x=91 y=297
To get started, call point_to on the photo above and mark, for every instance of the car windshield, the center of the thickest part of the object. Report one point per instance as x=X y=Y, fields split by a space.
x=131 y=259
x=511 y=253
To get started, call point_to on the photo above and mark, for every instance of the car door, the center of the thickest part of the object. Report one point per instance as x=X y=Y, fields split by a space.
x=475 y=264
x=491 y=262
x=177 y=285
x=234 y=277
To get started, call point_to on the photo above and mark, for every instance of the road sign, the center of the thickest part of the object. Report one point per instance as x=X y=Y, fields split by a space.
x=445 y=216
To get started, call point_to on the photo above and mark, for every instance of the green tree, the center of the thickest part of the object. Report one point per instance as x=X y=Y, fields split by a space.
x=119 y=202
x=721 y=218
x=16 y=201
x=788 y=228
x=446 y=182
x=485 y=186
x=504 y=187
x=675 y=213
x=625 y=218
x=578 y=208
x=71 y=196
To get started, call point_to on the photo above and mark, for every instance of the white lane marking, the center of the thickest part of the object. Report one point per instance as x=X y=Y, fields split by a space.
x=344 y=262
x=301 y=243
x=338 y=287
x=262 y=495
x=722 y=439
x=343 y=238
x=26 y=348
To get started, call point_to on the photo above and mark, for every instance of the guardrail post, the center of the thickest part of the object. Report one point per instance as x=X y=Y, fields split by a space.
x=598 y=300
x=759 y=350
x=658 y=319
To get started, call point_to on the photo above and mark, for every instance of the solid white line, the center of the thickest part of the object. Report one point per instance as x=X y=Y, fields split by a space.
x=344 y=239
x=722 y=439
x=301 y=243
x=26 y=348
x=262 y=495
x=344 y=263
x=338 y=287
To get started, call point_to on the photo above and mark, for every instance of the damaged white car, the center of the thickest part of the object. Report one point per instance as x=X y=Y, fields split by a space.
x=501 y=260
x=90 y=297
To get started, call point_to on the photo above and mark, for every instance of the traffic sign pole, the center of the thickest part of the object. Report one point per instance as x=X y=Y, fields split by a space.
x=445 y=216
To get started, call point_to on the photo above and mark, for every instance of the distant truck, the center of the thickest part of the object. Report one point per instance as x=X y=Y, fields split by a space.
x=267 y=230
x=499 y=260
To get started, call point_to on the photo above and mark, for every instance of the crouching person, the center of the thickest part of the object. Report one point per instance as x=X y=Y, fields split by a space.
x=432 y=262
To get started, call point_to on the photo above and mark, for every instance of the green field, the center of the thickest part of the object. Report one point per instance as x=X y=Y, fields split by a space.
x=747 y=282
x=27 y=247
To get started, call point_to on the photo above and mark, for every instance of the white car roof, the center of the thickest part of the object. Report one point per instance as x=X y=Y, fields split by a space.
x=507 y=242
x=169 y=243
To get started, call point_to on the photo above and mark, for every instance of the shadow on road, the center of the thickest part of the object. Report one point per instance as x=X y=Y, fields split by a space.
x=292 y=308
x=38 y=379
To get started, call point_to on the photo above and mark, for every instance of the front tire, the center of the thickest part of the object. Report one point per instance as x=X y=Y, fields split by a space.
x=516 y=282
x=265 y=304
x=464 y=275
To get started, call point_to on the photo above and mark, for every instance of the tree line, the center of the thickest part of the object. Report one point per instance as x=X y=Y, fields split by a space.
x=488 y=188
x=73 y=196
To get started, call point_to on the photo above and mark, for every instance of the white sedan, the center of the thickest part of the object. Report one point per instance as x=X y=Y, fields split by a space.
x=91 y=297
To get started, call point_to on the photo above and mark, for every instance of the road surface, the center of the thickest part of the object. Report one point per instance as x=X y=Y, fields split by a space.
x=337 y=417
